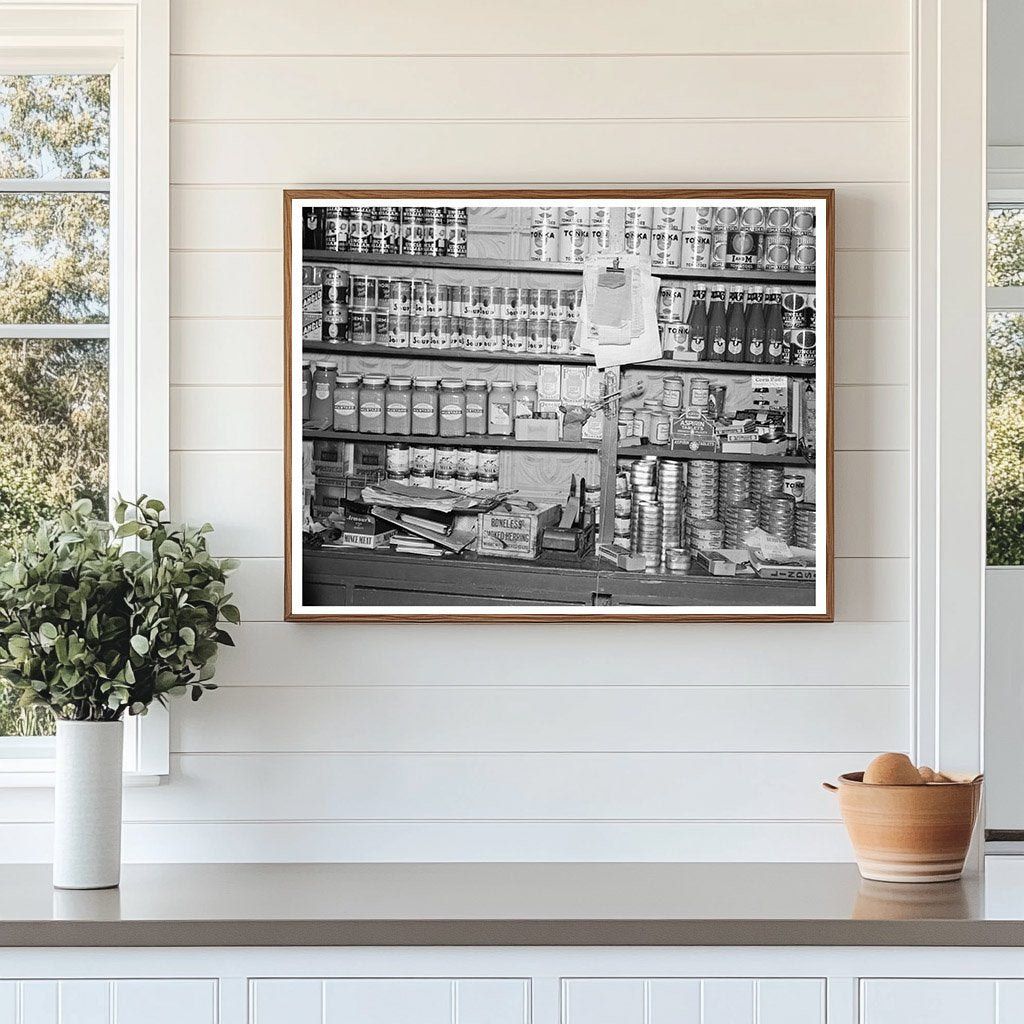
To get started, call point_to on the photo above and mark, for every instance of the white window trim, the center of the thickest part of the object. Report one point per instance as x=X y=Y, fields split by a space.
x=129 y=40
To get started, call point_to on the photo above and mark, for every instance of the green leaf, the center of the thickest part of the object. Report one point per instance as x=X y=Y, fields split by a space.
x=170 y=549
x=140 y=644
x=231 y=613
x=48 y=631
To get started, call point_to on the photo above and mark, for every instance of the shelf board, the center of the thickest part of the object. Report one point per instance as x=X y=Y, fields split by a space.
x=664 y=452
x=366 y=259
x=473 y=441
x=473 y=355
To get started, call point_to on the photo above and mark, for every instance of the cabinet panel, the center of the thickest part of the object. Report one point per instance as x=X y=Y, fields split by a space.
x=281 y=1001
x=929 y=1001
x=8 y=1002
x=84 y=1002
x=727 y=1001
x=790 y=1001
x=165 y=1002
x=603 y=1001
x=388 y=1001
x=39 y=1002
x=492 y=1002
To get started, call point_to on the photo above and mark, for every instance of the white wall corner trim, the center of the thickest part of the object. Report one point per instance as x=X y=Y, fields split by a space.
x=950 y=323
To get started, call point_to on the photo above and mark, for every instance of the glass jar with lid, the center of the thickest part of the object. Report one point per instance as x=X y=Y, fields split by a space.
x=346 y=402
x=424 y=406
x=371 y=403
x=476 y=406
x=321 y=401
x=525 y=403
x=499 y=408
x=453 y=408
x=661 y=426
x=398 y=406
x=307 y=388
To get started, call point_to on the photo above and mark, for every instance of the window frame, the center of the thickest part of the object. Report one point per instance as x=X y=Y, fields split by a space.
x=130 y=41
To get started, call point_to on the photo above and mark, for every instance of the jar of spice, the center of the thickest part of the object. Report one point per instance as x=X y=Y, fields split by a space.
x=322 y=399
x=476 y=406
x=371 y=404
x=398 y=406
x=346 y=402
x=526 y=399
x=499 y=408
x=424 y=406
x=453 y=408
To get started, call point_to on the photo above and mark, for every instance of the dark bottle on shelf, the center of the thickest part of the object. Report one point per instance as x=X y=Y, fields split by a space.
x=774 y=330
x=697 y=322
x=313 y=225
x=717 y=328
x=756 y=328
x=735 y=326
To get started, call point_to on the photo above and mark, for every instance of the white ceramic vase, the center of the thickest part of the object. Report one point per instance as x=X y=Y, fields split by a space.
x=87 y=805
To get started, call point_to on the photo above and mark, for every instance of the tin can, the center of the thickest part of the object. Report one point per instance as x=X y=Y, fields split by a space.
x=421 y=459
x=419 y=331
x=398 y=331
x=803 y=220
x=666 y=247
x=637 y=217
x=696 y=250
x=537 y=304
x=672 y=389
x=727 y=218
x=458 y=332
x=361 y=324
x=516 y=333
x=486 y=484
x=600 y=240
x=778 y=218
x=802 y=345
x=741 y=250
x=400 y=296
x=383 y=304
x=397 y=458
x=476 y=334
x=544 y=215
x=600 y=217
x=456 y=219
x=476 y=301
x=538 y=338
x=795 y=484
x=436 y=299
x=441 y=332
x=334 y=322
x=672 y=302
x=673 y=337
x=699 y=394
x=462 y=300
x=573 y=243
x=698 y=218
x=561 y=336
x=568 y=215
x=753 y=218
x=803 y=254
x=411 y=242
x=488 y=300
x=385 y=230
x=334 y=283
x=445 y=460
x=487 y=462
x=363 y=291
x=516 y=304
x=466 y=460
x=417 y=479
x=564 y=304
x=796 y=311
x=419 y=298
x=544 y=242
x=435 y=231
x=667 y=218
x=492 y=334
x=719 y=249
x=336 y=229
x=637 y=240
x=775 y=251
x=716 y=401
x=360 y=228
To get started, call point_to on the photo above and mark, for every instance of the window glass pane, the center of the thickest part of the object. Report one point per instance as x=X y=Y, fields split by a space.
x=53 y=449
x=1005 y=439
x=1005 y=246
x=54 y=262
x=54 y=126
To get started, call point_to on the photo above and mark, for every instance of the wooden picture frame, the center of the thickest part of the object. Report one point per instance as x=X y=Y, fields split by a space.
x=313 y=583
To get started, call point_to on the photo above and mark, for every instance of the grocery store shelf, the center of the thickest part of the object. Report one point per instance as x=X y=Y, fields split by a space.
x=474 y=355
x=664 y=452
x=536 y=267
x=472 y=441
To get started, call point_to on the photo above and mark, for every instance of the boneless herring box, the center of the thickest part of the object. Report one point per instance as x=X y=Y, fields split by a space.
x=517 y=533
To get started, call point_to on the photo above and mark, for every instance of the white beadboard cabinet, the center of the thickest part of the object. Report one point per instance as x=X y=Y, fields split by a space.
x=942 y=1001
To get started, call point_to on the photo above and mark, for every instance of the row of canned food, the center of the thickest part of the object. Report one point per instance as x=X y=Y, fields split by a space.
x=387 y=230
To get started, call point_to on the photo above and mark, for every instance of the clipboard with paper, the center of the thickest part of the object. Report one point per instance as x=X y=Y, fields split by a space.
x=618 y=315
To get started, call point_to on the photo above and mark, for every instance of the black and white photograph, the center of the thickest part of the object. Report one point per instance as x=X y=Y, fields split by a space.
x=562 y=405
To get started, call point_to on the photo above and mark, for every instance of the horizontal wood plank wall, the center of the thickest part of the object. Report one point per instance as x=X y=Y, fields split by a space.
x=547 y=742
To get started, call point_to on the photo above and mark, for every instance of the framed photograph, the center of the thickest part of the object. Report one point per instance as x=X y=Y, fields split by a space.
x=559 y=405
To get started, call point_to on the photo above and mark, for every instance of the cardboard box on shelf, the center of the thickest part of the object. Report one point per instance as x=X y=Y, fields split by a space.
x=514 y=530
x=574 y=385
x=528 y=429
x=311 y=298
x=549 y=382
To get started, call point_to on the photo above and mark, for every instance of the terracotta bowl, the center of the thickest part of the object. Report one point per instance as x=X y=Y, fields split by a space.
x=909 y=833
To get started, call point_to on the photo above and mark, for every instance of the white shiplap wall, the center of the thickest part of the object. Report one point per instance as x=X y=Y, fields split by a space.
x=508 y=742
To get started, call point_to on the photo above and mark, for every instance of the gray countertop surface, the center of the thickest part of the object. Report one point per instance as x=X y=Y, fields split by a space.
x=494 y=904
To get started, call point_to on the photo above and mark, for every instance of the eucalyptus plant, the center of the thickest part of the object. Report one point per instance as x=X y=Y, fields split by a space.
x=98 y=618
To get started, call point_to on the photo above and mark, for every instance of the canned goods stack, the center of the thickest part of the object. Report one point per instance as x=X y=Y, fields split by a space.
x=733 y=486
x=740 y=519
x=623 y=510
x=394 y=230
x=778 y=516
x=766 y=480
x=806 y=531
x=677 y=560
x=701 y=495
x=706 y=535
x=645 y=512
x=463 y=470
x=334 y=285
x=671 y=495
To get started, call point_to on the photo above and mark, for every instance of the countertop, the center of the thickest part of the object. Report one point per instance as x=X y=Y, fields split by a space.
x=477 y=904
